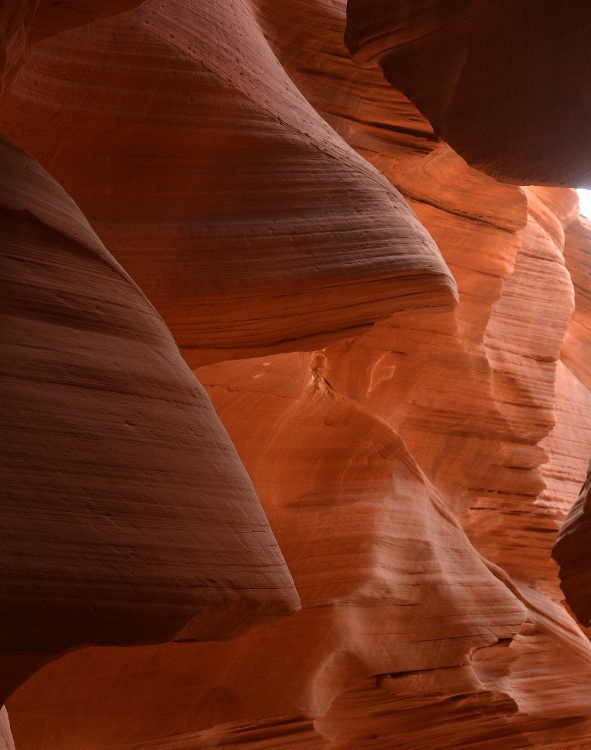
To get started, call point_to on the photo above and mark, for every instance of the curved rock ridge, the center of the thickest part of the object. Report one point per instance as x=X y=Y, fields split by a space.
x=571 y=550
x=24 y=22
x=505 y=85
x=127 y=516
x=379 y=122
x=248 y=222
x=369 y=542
x=415 y=474
x=485 y=444
x=576 y=349
x=406 y=634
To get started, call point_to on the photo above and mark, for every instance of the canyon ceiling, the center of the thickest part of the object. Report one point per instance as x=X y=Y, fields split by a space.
x=295 y=375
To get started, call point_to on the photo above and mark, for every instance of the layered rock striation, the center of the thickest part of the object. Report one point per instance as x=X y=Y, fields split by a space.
x=127 y=517
x=571 y=550
x=248 y=222
x=392 y=328
x=505 y=86
x=24 y=22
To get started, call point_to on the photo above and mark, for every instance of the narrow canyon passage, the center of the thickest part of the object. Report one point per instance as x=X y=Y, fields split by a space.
x=296 y=393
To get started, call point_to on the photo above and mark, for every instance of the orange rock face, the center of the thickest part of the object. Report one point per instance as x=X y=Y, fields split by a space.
x=6 y=741
x=395 y=344
x=250 y=224
x=571 y=550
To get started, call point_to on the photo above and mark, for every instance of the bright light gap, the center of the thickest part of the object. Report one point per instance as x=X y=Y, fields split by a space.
x=585 y=199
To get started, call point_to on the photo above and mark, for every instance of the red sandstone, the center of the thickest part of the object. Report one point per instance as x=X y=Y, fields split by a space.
x=392 y=327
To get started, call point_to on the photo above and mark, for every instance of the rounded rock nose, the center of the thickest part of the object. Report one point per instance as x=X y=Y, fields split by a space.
x=518 y=110
x=126 y=511
x=250 y=224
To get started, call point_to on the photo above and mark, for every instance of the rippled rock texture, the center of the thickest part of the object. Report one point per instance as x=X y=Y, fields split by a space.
x=24 y=22
x=216 y=181
x=506 y=86
x=394 y=342
x=127 y=516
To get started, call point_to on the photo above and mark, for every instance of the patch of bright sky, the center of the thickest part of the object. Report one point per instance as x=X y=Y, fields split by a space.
x=585 y=199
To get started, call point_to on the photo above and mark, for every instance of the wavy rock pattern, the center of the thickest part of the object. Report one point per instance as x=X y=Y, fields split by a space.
x=250 y=224
x=24 y=22
x=577 y=342
x=270 y=195
x=486 y=76
x=571 y=550
x=119 y=481
x=375 y=119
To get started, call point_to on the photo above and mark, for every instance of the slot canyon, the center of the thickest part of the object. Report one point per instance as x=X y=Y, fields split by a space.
x=296 y=375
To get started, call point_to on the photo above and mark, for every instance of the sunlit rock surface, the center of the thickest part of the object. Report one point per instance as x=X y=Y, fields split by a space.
x=6 y=741
x=415 y=456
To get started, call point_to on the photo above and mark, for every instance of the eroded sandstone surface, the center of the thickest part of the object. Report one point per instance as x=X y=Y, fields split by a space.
x=504 y=85
x=110 y=442
x=215 y=180
x=386 y=310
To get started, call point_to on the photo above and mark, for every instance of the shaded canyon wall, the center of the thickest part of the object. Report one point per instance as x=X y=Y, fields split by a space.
x=328 y=523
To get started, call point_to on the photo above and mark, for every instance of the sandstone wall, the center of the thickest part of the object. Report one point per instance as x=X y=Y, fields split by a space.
x=394 y=343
